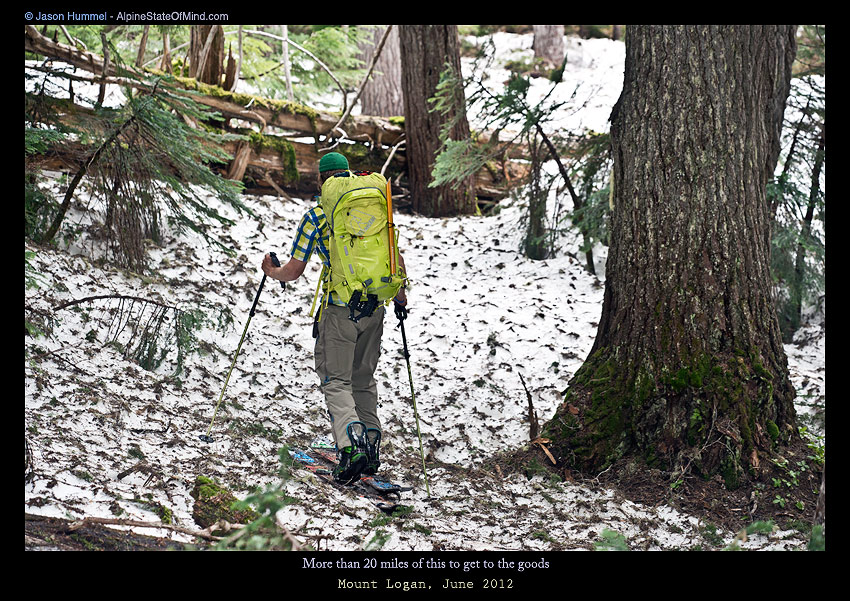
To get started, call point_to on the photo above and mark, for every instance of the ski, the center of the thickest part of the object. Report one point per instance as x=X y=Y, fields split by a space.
x=327 y=451
x=321 y=461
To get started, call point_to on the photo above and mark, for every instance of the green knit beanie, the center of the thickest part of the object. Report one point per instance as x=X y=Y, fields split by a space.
x=332 y=162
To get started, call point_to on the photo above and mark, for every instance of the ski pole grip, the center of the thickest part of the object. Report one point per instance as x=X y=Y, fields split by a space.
x=276 y=263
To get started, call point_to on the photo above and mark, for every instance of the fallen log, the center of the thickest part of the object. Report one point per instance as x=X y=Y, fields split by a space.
x=269 y=168
x=278 y=161
x=268 y=163
x=282 y=114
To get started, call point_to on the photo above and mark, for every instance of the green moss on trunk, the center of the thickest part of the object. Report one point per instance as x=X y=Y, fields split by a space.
x=275 y=105
x=284 y=149
x=714 y=413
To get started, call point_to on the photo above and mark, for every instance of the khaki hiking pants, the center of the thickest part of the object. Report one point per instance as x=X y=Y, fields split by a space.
x=346 y=357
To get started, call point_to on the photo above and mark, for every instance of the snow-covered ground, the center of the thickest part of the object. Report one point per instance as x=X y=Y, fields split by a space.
x=481 y=315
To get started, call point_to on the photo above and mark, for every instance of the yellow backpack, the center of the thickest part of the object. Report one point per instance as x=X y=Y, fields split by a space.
x=362 y=242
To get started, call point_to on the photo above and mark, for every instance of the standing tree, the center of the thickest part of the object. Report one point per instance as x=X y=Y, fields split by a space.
x=382 y=93
x=426 y=51
x=548 y=44
x=206 y=53
x=688 y=367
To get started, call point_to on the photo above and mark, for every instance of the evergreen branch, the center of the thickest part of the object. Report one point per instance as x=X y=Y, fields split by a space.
x=66 y=201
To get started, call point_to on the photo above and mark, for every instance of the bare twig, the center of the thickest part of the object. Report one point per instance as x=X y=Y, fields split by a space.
x=72 y=40
x=554 y=154
x=78 y=301
x=66 y=201
x=162 y=56
x=205 y=534
x=40 y=356
x=287 y=71
x=534 y=425
x=599 y=475
x=335 y=144
x=392 y=152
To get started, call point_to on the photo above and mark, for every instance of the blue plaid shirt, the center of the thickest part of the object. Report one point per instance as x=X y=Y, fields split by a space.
x=312 y=235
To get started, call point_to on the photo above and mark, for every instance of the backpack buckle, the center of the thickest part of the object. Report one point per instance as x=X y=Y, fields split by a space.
x=365 y=308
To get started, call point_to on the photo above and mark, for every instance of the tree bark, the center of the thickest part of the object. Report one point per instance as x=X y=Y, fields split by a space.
x=143 y=44
x=206 y=53
x=548 y=44
x=101 y=94
x=382 y=94
x=425 y=51
x=688 y=367
x=287 y=71
x=236 y=170
x=230 y=74
x=165 y=63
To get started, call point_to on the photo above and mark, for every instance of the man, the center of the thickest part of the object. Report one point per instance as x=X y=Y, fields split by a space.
x=346 y=351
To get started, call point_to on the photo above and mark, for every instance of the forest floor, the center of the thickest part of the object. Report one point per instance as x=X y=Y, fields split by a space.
x=93 y=415
x=710 y=501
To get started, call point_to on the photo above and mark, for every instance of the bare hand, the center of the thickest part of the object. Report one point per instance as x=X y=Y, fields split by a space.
x=268 y=267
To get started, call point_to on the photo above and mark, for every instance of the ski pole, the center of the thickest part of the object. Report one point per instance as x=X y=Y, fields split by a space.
x=413 y=396
x=206 y=437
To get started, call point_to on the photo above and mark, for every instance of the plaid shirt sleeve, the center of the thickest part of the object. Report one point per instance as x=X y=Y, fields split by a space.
x=311 y=236
x=306 y=237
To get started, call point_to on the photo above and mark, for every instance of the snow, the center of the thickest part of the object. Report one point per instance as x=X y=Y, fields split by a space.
x=592 y=80
x=481 y=315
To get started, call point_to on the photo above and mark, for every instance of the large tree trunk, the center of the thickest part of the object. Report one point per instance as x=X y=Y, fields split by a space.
x=688 y=366
x=425 y=50
x=382 y=94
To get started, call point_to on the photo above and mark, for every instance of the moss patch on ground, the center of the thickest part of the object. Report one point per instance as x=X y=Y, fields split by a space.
x=213 y=503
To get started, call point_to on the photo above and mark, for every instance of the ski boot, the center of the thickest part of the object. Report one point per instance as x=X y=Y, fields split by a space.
x=373 y=444
x=352 y=459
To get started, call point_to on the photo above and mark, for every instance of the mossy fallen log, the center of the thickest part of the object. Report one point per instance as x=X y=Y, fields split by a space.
x=274 y=160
